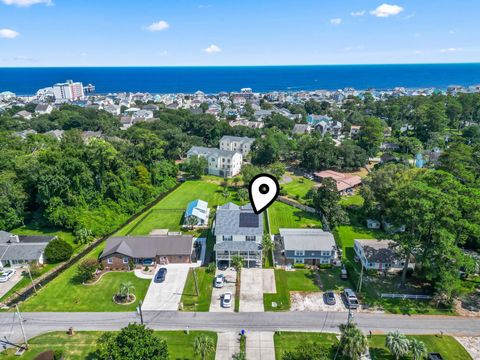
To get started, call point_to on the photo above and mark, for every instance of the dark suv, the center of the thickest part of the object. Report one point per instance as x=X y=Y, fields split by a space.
x=161 y=274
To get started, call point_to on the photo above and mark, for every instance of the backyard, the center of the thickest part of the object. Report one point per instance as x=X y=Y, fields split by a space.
x=447 y=346
x=285 y=216
x=81 y=345
x=297 y=187
x=286 y=281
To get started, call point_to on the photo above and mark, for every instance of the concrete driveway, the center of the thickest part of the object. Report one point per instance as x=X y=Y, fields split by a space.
x=251 y=291
x=166 y=296
x=6 y=286
x=229 y=285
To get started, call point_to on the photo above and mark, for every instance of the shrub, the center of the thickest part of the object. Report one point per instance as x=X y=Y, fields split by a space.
x=211 y=268
x=299 y=266
x=57 y=251
x=86 y=270
x=58 y=354
x=325 y=266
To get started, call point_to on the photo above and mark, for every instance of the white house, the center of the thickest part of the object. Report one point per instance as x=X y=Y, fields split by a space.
x=42 y=109
x=379 y=255
x=199 y=211
x=238 y=231
x=236 y=143
x=223 y=163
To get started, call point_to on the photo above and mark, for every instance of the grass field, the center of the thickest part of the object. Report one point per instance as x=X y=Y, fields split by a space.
x=447 y=346
x=344 y=235
x=356 y=200
x=285 y=216
x=298 y=187
x=81 y=345
x=64 y=294
x=286 y=281
x=190 y=300
x=168 y=212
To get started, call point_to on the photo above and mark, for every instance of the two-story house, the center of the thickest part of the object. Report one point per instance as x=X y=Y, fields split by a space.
x=236 y=143
x=308 y=246
x=224 y=163
x=238 y=231
x=379 y=255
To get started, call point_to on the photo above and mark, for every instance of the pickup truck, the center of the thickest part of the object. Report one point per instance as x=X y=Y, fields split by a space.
x=351 y=299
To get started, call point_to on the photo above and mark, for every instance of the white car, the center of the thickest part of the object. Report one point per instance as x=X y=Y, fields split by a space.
x=227 y=300
x=219 y=281
x=6 y=275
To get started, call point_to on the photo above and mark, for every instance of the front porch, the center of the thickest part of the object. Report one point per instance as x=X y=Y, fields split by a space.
x=251 y=252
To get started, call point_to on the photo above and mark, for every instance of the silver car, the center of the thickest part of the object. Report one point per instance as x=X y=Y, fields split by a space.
x=219 y=281
x=227 y=299
x=5 y=275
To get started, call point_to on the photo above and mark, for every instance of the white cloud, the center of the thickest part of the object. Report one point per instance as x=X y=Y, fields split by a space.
x=27 y=3
x=158 y=26
x=8 y=34
x=212 y=49
x=336 y=21
x=451 y=32
x=386 y=10
x=358 y=13
x=451 y=49
x=24 y=58
x=353 y=48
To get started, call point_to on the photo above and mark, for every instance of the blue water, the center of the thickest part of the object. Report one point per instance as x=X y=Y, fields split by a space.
x=26 y=81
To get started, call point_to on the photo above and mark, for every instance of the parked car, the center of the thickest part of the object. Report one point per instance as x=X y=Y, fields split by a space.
x=6 y=275
x=223 y=265
x=219 y=281
x=329 y=298
x=227 y=299
x=435 y=356
x=147 y=262
x=351 y=299
x=344 y=274
x=161 y=274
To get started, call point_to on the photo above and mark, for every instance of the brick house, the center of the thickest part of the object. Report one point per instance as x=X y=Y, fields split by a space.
x=118 y=252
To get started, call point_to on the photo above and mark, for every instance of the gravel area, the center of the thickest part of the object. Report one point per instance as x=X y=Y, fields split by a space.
x=471 y=344
x=301 y=301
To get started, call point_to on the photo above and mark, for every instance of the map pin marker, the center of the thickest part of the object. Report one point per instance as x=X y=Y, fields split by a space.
x=263 y=190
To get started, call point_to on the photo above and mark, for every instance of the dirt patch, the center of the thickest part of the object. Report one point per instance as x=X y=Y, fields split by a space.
x=314 y=301
x=468 y=306
x=471 y=344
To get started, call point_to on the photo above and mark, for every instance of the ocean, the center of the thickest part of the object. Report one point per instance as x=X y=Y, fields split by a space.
x=26 y=81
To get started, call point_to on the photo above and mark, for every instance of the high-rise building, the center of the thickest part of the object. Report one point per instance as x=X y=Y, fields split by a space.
x=68 y=91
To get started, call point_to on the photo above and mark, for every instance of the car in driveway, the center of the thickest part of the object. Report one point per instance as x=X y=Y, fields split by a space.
x=223 y=265
x=5 y=275
x=329 y=297
x=227 y=299
x=219 y=280
x=161 y=274
x=350 y=299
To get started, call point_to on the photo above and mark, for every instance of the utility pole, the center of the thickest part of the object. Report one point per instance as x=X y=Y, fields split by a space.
x=31 y=279
x=21 y=326
x=361 y=279
x=195 y=280
x=140 y=311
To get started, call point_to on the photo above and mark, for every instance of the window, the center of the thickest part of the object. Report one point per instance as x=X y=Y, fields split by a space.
x=299 y=261
x=326 y=253
x=227 y=238
x=109 y=260
x=299 y=252
x=125 y=260
x=325 y=261
x=250 y=238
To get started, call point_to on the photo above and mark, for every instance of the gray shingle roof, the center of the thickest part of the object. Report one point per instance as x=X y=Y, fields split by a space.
x=204 y=151
x=148 y=246
x=307 y=239
x=242 y=139
x=28 y=248
x=378 y=250
x=237 y=246
x=227 y=221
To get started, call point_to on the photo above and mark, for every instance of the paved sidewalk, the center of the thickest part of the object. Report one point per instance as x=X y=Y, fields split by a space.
x=227 y=345
x=260 y=346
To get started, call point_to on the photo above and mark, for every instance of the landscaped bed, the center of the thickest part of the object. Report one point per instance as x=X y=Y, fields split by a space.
x=81 y=345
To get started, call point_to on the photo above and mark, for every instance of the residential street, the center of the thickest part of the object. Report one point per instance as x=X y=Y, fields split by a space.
x=37 y=323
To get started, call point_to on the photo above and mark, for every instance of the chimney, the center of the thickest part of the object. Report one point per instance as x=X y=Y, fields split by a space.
x=14 y=239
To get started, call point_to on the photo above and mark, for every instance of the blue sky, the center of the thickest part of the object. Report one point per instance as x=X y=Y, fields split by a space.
x=246 y=32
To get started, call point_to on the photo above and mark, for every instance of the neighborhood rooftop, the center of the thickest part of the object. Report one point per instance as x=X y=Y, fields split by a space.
x=307 y=239
x=201 y=150
x=238 y=220
x=378 y=250
x=148 y=246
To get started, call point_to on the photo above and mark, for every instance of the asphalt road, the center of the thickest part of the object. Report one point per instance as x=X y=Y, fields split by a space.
x=38 y=323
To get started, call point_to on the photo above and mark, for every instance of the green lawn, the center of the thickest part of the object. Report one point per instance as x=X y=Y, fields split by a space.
x=298 y=188
x=286 y=281
x=447 y=346
x=190 y=300
x=82 y=344
x=64 y=294
x=289 y=341
x=330 y=279
x=168 y=212
x=285 y=216
x=356 y=200
x=344 y=235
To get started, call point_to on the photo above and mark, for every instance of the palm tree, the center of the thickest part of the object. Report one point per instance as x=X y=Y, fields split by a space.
x=398 y=344
x=268 y=245
x=191 y=221
x=240 y=356
x=237 y=263
x=352 y=342
x=418 y=349
x=203 y=346
x=125 y=289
